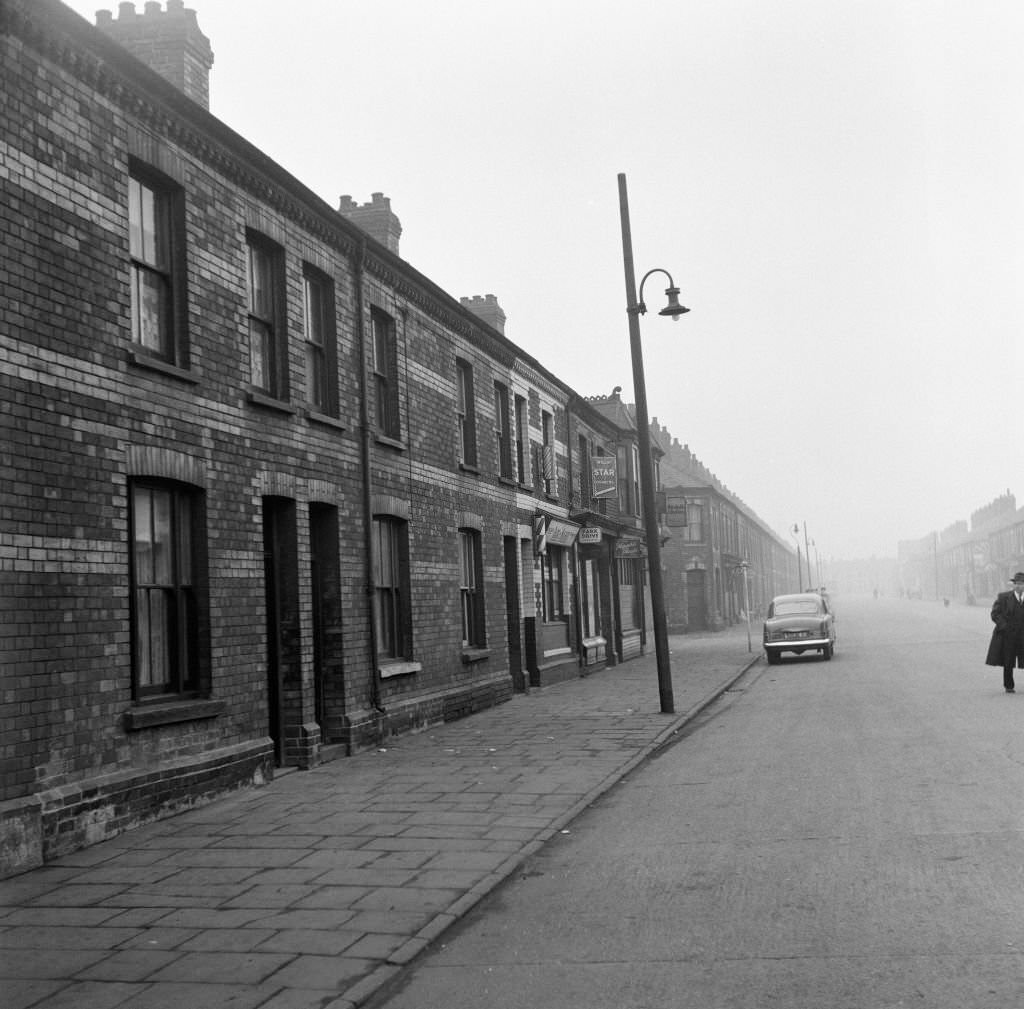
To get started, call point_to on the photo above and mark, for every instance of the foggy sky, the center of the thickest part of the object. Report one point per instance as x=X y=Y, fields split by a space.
x=835 y=187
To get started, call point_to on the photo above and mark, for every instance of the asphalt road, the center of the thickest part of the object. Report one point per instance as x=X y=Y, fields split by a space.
x=830 y=835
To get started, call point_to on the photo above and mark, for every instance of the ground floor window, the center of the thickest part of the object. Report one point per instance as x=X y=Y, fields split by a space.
x=164 y=564
x=590 y=592
x=391 y=587
x=552 y=573
x=631 y=587
x=471 y=588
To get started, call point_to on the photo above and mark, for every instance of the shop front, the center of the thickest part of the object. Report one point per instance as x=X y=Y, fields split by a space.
x=551 y=633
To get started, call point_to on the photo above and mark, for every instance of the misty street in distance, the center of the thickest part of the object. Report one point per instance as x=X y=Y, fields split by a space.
x=841 y=833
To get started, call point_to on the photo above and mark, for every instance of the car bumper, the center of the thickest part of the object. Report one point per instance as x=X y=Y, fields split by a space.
x=796 y=644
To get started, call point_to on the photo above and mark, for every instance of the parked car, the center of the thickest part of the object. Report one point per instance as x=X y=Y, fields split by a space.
x=799 y=622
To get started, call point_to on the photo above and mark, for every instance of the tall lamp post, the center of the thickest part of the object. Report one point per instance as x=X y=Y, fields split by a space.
x=807 y=559
x=795 y=533
x=635 y=307
x=744 y=568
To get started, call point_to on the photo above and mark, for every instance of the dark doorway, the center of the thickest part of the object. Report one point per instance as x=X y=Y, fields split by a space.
x=279 y=554
x=696 y=602
x=513 y=612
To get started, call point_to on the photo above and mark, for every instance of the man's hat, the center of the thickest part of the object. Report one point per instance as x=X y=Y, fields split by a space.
x=1018 y=577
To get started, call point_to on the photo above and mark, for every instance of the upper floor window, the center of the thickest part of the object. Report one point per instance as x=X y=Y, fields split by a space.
x=522 y=441
x=156 y=273
x=547 y=459
x=586 y=473
x=693 y=531
x=391 y=587
x=466 y=412
x=320 y=337
x=471 y=588
x=267 y=350
x=636 y=487
x=163 y=576
x=502 y=430
x=385 y=370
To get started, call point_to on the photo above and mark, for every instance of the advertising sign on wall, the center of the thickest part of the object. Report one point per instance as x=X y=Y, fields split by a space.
x=561 y=533
x=604 y=475
x=675 y=511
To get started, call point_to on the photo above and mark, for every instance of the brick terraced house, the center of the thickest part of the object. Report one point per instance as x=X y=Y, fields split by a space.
x=270 y=494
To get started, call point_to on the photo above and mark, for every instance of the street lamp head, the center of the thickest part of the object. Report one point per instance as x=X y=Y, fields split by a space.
x=673 y=309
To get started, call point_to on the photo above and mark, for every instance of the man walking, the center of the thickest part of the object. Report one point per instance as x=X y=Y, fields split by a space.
x=1006 y=648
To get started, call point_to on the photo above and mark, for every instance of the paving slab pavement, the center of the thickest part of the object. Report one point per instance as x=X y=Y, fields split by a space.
x=313 y=891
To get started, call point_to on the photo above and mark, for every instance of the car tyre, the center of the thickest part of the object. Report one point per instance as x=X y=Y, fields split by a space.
x=773 y=658
x=826 y=652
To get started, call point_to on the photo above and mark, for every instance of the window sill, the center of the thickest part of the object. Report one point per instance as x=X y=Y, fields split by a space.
x=397 y=443
x=149 y=716
x=257 y=398
x=399 y=668
x=507 y=481
x=471 y=655
x=315 y=417
x=141 y=359
x=469 y=468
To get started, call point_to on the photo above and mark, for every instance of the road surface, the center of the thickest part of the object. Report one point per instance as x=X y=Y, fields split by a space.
x=831 y=835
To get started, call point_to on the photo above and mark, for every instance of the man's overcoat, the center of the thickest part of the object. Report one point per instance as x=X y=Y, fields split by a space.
x=1007 y=645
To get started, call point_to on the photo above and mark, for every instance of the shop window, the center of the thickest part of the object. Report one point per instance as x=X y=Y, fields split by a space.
x=552 y=565
x=631 y=586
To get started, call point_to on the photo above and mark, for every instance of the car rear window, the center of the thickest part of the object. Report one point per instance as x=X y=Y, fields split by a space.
x=800 y=606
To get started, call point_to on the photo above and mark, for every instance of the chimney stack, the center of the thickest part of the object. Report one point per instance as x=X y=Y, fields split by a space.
x=168 y=42
x=487 y=309
x=375 y=218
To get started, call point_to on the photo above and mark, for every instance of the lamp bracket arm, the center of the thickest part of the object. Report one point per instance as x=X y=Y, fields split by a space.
x=641 y=308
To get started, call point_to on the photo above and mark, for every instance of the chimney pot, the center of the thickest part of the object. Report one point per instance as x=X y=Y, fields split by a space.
x=486 y=308
x=172 y=46
x=376 y=218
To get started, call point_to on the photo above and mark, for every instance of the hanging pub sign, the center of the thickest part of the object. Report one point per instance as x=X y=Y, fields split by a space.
x=630 y=548
x=561 y=533
x=675 y=511
x=603 y=475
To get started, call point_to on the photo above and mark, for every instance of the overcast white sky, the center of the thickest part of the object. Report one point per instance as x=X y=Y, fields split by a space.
x=836 y=187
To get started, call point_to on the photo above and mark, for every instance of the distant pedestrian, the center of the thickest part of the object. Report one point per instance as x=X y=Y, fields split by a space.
x=1006 y=648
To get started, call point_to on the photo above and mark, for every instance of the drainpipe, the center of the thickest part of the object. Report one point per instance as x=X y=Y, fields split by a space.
x=367 y=435
x=577 y=593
